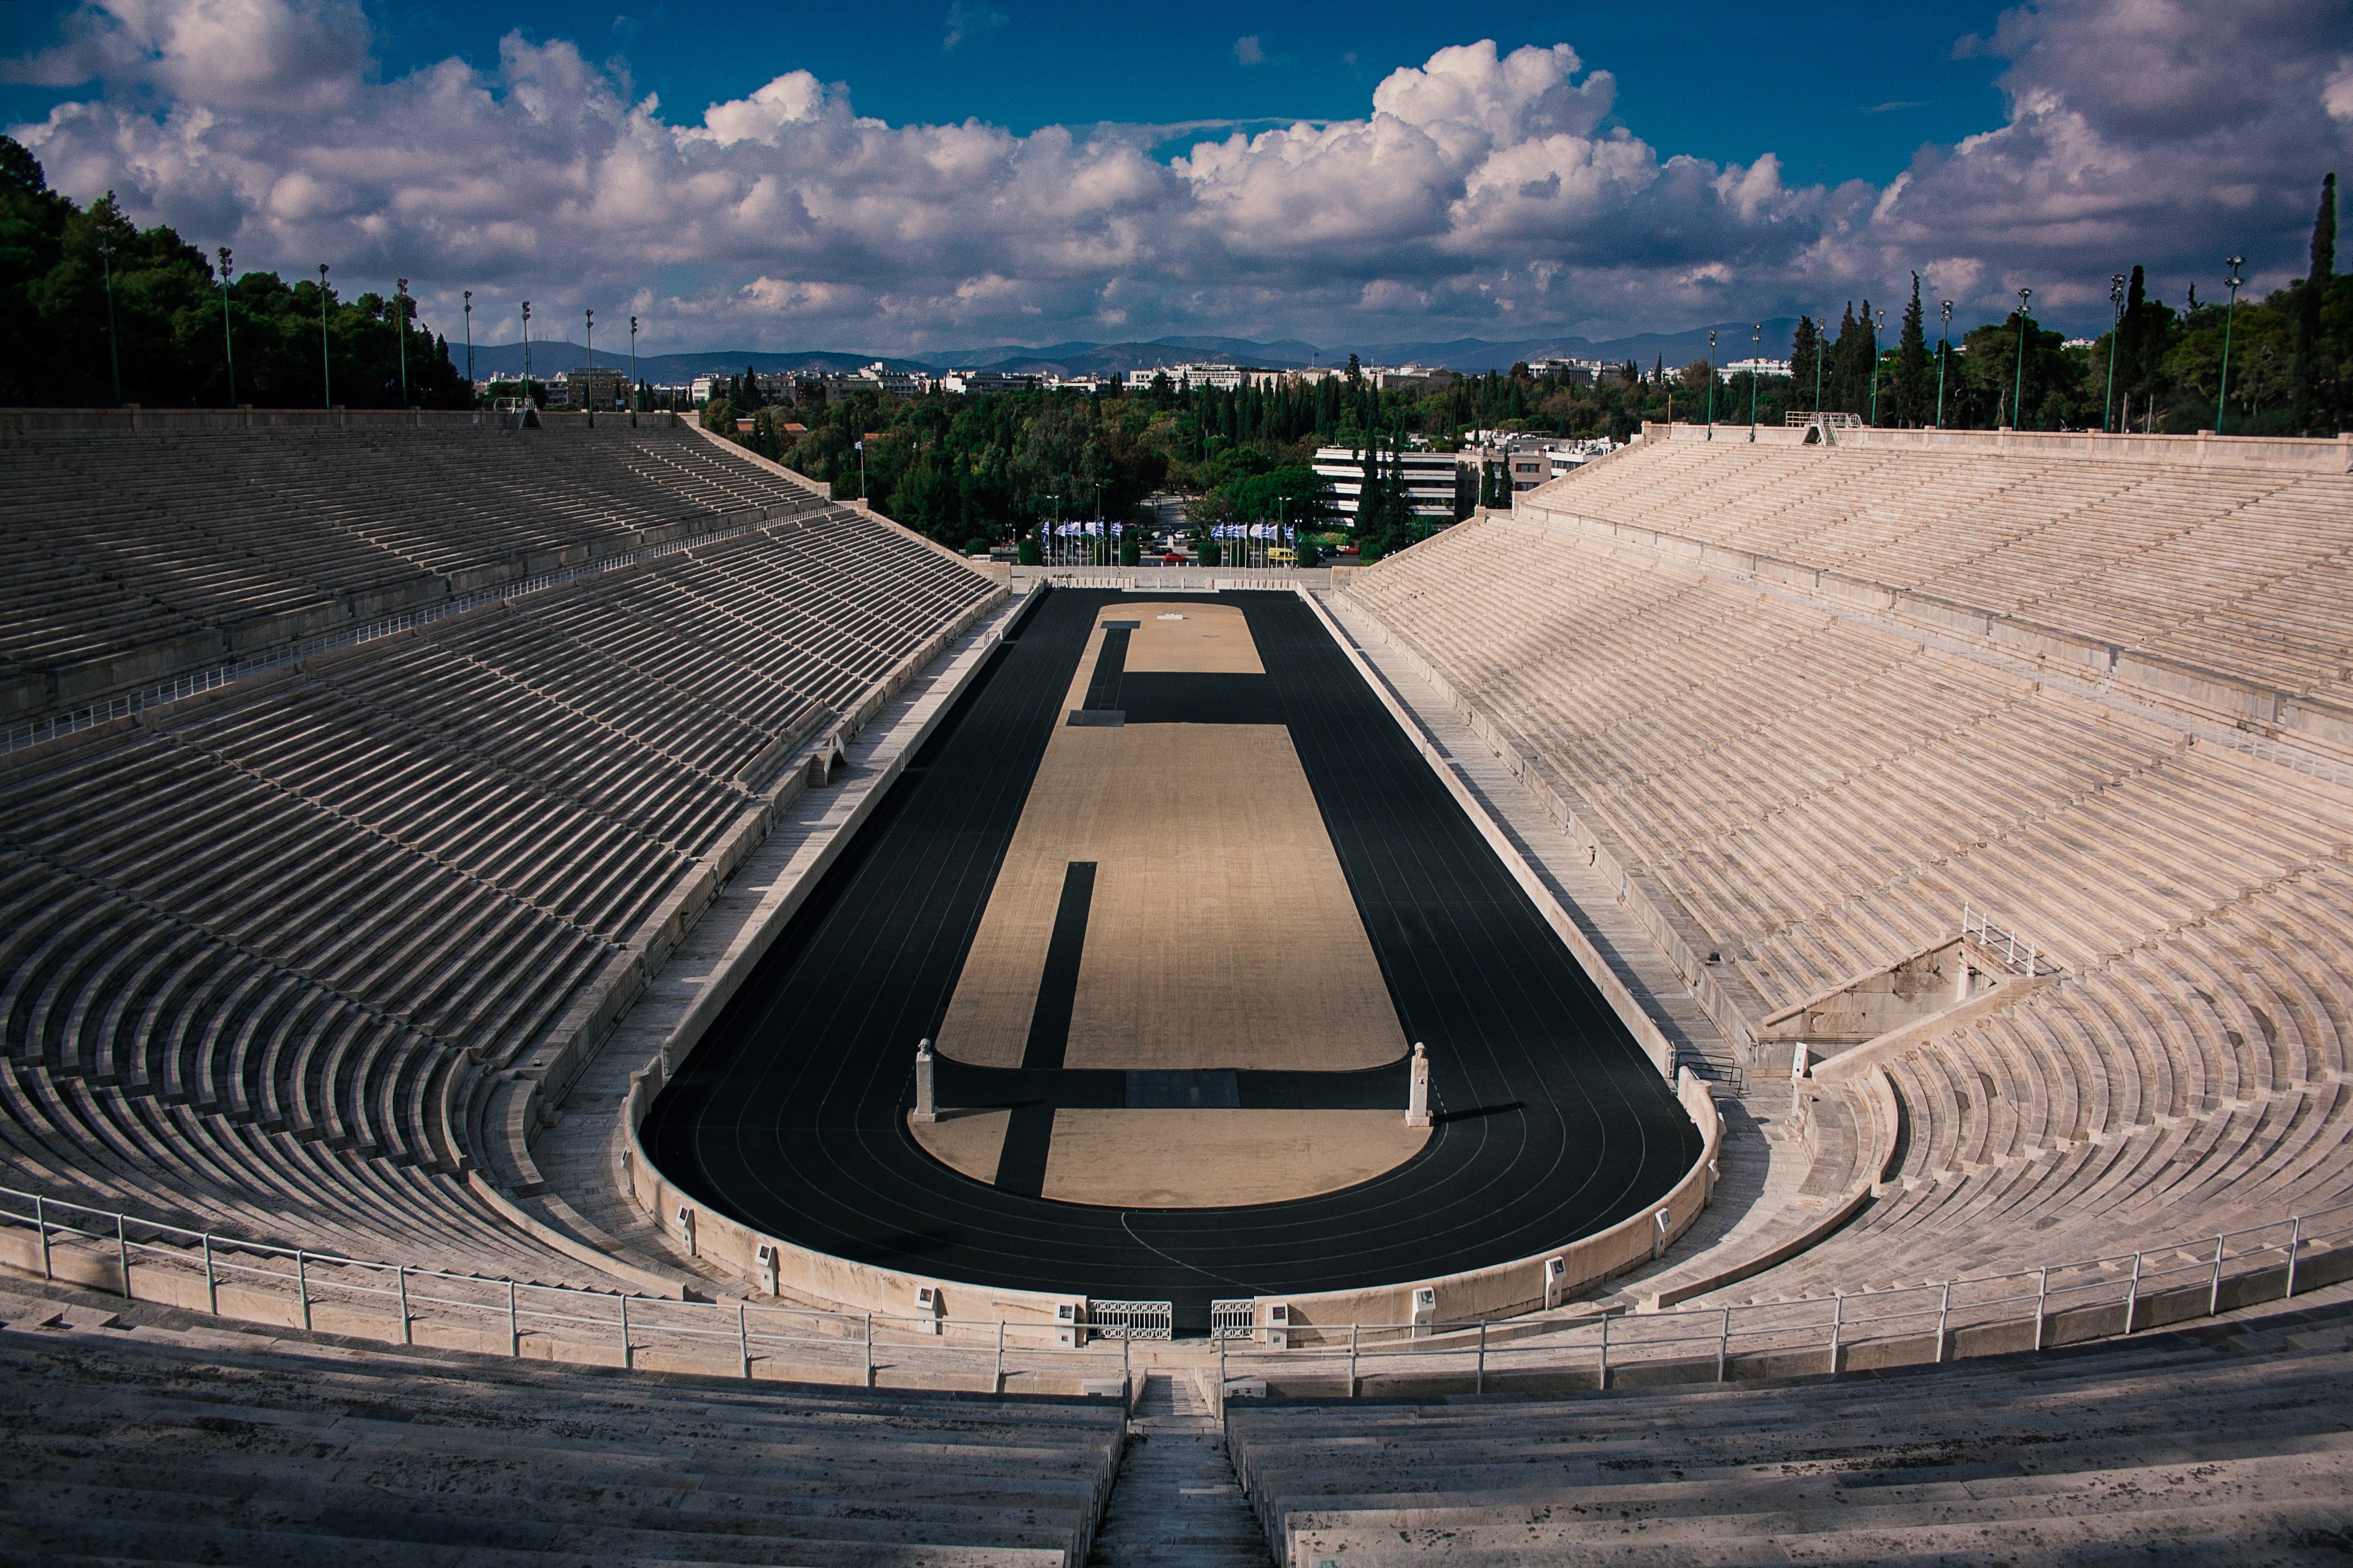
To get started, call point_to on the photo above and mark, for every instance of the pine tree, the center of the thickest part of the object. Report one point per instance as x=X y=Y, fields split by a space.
x=2311 y=377
x=1850 y=365
x=751 y=399
x=1912 y=394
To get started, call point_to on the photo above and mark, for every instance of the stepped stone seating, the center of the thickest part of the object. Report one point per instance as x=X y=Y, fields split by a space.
x=266 y=954
x=2236 y=569
x=132 y=555
x=134 y=1445
x=1809 y=793
x=2174 y=1448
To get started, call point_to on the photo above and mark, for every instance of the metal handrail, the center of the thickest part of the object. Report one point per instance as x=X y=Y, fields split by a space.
x=636 y=1324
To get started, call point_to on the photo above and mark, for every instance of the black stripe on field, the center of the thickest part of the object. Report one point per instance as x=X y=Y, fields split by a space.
x=1550 y=1123
x=1057 y=986
x=1111 y=663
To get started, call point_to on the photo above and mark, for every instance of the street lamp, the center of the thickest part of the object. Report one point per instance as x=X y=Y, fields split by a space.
x=469 y=348
x=1944 y=351
x=1711 y=383
x=1821 y=352
x=326 y=373
x=526 y=356
x=1756 y=350
x=400 y=325
x=2223 y=390
x=2018 y=388
x=633 y=372
x=588 y=398
x=1875 y=327
x=2115 y=331
x=229 y=342
x=113 y=354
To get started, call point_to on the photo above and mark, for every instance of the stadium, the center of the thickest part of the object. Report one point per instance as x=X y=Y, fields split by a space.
x=568 y=997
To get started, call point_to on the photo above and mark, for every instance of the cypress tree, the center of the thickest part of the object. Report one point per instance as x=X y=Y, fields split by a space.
x=1913 y=392
x=2311 y=375
x=1806 y=371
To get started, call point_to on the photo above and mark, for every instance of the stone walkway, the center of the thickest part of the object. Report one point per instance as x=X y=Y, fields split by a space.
x=1176 y=1501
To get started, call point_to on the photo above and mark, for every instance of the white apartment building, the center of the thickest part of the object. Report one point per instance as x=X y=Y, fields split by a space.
x=1430 y=479
x=1760 y=366
x=973 y=382
x=898 y=382
x=1580 y=371
x=1225 y=377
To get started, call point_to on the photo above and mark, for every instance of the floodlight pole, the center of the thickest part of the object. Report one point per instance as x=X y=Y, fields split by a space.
x=2115 y=331
x=400 y=324
x=1711 y=390
x=2018 y=388
x=2223 y=389
x=1875 y=329
x=1756 y=351
x=588 y=397
x=326 y=370
x=526 y=356
x=1821 y=352
x=1944 y=353
x=633 y=372
x=113 y=351
x=228 y=341
x=472 y=398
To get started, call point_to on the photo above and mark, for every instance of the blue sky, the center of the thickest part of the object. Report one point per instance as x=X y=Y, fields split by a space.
x=975 y=171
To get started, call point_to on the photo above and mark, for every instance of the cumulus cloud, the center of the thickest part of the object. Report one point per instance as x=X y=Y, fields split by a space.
x=1248 y=51
x=1480 y=192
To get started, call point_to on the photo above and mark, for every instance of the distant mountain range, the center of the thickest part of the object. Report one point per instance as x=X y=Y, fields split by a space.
x=1735 y=341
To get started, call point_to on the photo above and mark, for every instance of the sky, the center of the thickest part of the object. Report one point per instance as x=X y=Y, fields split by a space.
x=905 y=177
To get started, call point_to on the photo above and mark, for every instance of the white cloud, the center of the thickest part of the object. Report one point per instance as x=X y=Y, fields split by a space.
x=1482 y=192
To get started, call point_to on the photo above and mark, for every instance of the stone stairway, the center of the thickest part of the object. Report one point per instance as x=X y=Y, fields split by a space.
x=1177 y=1501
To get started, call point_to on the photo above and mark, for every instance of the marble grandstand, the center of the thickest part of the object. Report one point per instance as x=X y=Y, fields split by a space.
x=361 y=778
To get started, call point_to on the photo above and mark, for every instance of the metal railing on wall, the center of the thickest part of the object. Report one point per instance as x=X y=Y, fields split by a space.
x=2020 y=1310
x=411 y=1304
x=195 y=682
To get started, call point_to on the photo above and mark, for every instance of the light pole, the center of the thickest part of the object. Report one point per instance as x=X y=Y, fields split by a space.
x=526 y=356
x=1755 y=351
x=2018 y=388
x=588 y=397
x=228 y=341
x=470 y=347
x=400 y=324
x=1944 y=353
x=326 y=372
x=633 y=372
x=1711 y=383
x=2115 y=331
x=1821 y=352
x=1875 y=327
x=113 y=354
x=2223 y=390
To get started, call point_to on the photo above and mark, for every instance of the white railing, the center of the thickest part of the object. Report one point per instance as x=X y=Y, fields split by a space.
x=1995 y=943
x=181 y=687
x=407 y=1304
x=2027 y=1309
x=2294 y=758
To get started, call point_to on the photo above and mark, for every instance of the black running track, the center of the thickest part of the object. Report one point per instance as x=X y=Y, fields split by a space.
x=791 y=1116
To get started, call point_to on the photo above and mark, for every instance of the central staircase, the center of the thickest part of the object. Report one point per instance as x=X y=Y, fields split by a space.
x=1177 y=1501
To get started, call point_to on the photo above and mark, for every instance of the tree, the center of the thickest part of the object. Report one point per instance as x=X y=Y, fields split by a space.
x=1914 y=390
x=1805 y=355
x=749 y=400
x=2311 y=376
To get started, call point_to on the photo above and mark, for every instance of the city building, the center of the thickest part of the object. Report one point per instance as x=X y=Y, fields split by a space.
x=973 y=382
x=1434 y=480
x=586 y=388
x=897 y=383
x=1576 y=371
x=1760 y=366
